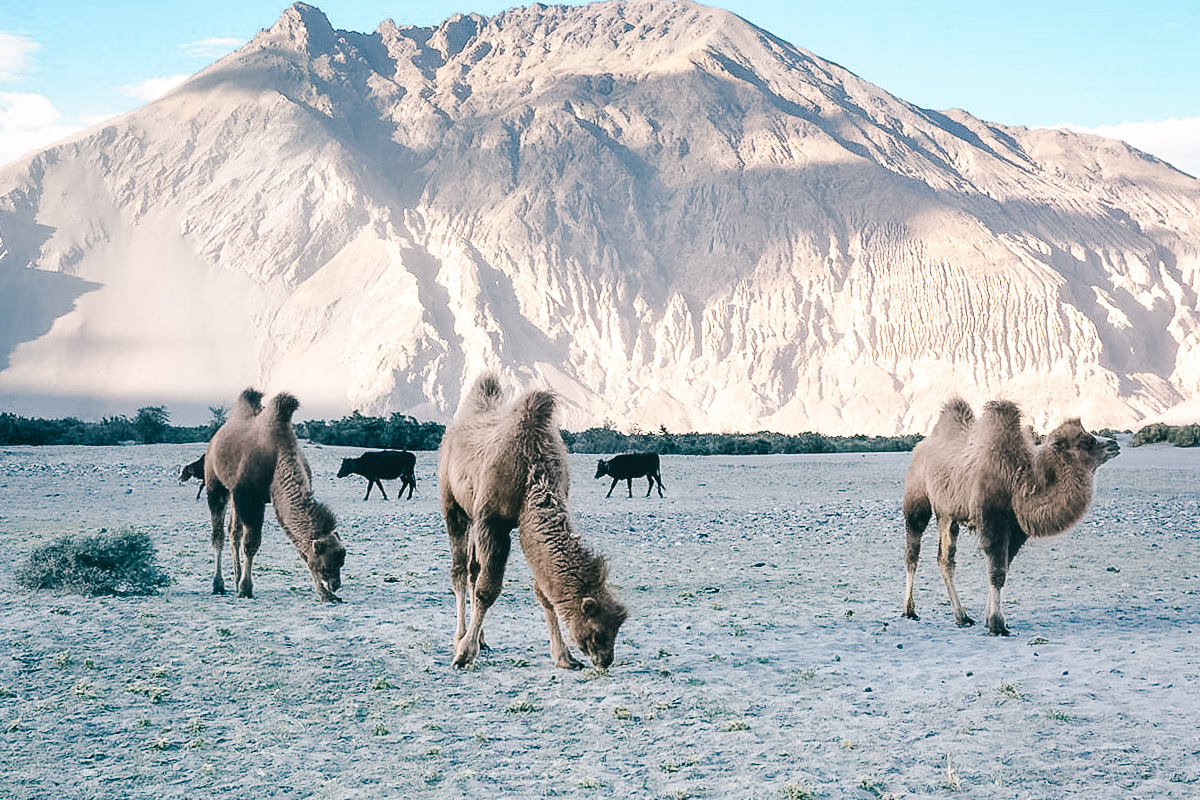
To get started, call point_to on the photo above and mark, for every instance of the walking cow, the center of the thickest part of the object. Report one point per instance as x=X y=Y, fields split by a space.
x=385 y=465
x=628 y=466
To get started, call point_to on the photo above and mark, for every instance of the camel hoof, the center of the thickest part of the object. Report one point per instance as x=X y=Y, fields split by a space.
x=998 y=631
x=910 y=615
x=330 y=597
x=569 y=663
x=965 y=622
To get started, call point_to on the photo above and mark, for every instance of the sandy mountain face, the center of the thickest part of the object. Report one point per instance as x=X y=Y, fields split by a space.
x=661 y=211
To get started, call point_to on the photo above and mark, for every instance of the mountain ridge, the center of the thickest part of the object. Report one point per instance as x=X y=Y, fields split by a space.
x=725 y=234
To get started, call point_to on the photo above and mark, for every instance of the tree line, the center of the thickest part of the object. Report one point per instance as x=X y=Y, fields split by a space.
x=151 y=425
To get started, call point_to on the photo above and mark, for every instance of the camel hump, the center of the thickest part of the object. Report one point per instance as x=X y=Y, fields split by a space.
x=956 y=418
x=537 y=409
x=486 y=393
x=283 y=405
x=251 y=400
x=1003 y=411
x=959 y=411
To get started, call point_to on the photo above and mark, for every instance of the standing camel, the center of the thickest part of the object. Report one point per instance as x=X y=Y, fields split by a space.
x=988 y=475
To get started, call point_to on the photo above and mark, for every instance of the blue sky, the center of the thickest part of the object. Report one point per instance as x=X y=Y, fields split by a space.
x=1124 y=69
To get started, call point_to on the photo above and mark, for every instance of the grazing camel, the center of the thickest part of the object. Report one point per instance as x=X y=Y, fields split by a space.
x=503 y=466
x=628 y=466
x=254 y=458
x=379 y=465
x=988 y=475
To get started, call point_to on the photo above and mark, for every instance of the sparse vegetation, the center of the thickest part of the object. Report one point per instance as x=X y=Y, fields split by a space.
x=119 y=563
x=1178 y=435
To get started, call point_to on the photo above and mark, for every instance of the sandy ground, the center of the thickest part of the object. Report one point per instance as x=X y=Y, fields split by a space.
x=764 y=656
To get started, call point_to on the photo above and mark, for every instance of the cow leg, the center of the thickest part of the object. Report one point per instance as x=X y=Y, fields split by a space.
x=610 y=488
x=649 y=484
x=559 y=650
x=379 y=483
x=370 y=485
x=629 y=486
x=489 y=547
x=218 y=499
x=947 y=551
x=658 y=478
x=411 y=484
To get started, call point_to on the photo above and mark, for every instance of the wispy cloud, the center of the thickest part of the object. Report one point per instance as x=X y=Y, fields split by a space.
x=212 y=46
x=15 y=54
x=153 y=88
x=28 y=122
x=1176 y=141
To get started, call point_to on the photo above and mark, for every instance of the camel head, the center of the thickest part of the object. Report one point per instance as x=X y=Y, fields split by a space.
x=325 y=563
x=1071 y=441
x=595 y=628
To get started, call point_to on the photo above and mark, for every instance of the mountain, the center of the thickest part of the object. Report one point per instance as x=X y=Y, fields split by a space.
x=661 y=211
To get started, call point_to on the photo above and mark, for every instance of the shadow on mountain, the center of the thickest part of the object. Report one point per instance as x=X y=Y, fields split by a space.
x=33 y=300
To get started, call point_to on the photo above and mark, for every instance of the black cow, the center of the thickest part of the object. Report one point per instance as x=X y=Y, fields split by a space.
x=628 y=466
x=385 y=465
x=194 y=470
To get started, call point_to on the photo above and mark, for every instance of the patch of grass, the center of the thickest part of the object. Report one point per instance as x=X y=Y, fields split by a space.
x=591 y=783
x=151 y=692
x=621 y=712
x=1010 y=690
x=797 y=791
x=870 y=784
x=736 y=725
x=523 y=707
x=1061 y=716
x=120 y=563
x=382 y=683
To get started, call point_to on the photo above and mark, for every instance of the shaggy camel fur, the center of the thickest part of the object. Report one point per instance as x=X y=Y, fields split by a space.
x=255 y=458
x=988 y=475
x=503 y=466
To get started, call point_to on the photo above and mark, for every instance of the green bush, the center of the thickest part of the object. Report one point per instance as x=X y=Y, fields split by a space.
x=118 y=563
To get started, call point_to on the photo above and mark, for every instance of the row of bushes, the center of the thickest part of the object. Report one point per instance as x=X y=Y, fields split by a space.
x=152 y=425
x=1178 y=435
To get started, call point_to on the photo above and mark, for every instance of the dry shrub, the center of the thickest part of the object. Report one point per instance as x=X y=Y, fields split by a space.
x=119 y=563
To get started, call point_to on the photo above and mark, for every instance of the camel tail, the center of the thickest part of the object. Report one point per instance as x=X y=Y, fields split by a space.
x=486 y=393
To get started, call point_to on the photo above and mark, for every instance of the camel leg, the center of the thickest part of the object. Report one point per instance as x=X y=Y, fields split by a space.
x=218 y=498
x=456 y=526
x=248 y=510
x=559 y=650
x=917 y=513
x=490 y=544
x=610 y=488
x=947 y=551
x=994 y=538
